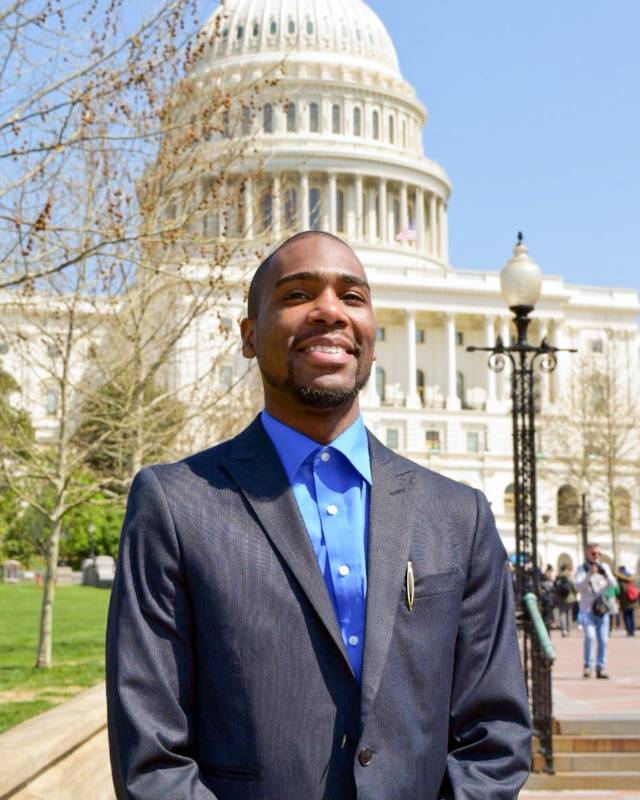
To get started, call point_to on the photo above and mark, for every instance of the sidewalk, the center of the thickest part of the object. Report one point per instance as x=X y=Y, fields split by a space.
x=575 y=697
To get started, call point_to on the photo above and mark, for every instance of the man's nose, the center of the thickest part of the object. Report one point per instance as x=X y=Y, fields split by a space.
x=328 y=309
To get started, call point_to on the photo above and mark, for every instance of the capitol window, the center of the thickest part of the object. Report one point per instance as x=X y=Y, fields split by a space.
x=314 y=118
x=392 y=438
x=291 y=118
x=273 y=27
x=267 y=118
x=290 y=207
x=404 y=134
x=432 y=440
x=473 y=441
x=340 y=211
x=292 y=26
x=309 y=27
x=336 y=118
x=239 y=32
x=392 y=130
x=256 y=29
x=376 y=125
x=246 y=121
x=51 y=402
x=357 y=122
x=315 y=209
x=225 y=377
x=381 y=334
x=266 y=208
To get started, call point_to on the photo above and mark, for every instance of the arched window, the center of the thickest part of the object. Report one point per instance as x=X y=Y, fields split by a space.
x=314 y=118
x=239 y=32
x=392 y=130
x=266 y=211
x=340 y=215
x=621 y=507
x=309 y=26
x=568 y=507
x=267 y=118
x=273 y=27
x=357 y=122
x=246 y=121
x=336 y=119
x=509 y=500
x=256 y=29
x=376 y=125
x=381 y=383
x=291 y=27
x=404 y=133
x=290 y=207
x=396 y=217
x=291 y=118
x=315 y=209
x=460 y=387
x=564 y=560
x=420 y=383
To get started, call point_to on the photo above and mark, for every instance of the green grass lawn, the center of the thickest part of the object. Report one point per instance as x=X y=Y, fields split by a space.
x=80 y=614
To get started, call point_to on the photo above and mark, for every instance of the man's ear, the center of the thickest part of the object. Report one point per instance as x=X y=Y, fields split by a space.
x=247 y=331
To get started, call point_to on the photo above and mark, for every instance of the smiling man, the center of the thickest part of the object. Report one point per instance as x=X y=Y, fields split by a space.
x=301 y=614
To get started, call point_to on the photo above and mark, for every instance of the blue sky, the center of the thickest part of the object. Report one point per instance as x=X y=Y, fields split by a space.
x=535 y=114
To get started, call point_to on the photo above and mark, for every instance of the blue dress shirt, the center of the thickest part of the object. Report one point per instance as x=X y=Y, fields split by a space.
x=331 y=486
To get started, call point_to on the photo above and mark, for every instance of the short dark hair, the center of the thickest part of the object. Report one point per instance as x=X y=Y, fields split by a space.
x=256 y=287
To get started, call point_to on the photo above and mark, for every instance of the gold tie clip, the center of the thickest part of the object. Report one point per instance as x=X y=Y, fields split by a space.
x=410 y=585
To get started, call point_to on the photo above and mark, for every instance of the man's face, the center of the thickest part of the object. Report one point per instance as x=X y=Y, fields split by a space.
x=594 y=554
x=315 y=331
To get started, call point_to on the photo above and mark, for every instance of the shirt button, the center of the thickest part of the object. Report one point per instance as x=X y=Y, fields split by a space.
x=365 y=756
x=353 y=640
x=344 y=570
x=332 y=510
x=324 y=456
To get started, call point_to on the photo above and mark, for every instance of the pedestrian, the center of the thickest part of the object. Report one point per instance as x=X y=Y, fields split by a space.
x=546 y=596
x=628 y=598
x=300 y=612
x=592 y=580
x=564 y=590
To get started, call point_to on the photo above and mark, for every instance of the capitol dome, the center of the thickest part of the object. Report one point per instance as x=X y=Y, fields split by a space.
x=343 y=28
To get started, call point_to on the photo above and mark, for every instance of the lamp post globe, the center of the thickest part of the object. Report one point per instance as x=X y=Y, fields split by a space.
x=521 y=280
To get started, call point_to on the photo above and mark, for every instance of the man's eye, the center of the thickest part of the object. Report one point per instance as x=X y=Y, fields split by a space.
x=353 y=297
x=296 y=294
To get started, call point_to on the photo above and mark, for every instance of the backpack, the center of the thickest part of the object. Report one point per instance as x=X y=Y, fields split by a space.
x=562 y=586
x=632 y=592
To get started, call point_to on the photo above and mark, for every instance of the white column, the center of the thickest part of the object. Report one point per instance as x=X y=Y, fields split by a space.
x=453 y=402
x=304 y=201
x=444 y=233
x=490 y=340
x=369 y=396
x=373 y=222
x=404 y=208
x=277 y=207
x=505 y=335
x=359 y=208
x=440 y=245
x=351 y=212
x=333 y=203
x=420 y=219
x=383 y=226
x=433 y=225
x=248 y=208
x=413 y=401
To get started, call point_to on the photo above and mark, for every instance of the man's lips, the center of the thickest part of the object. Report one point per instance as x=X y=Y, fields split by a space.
x=327 y=350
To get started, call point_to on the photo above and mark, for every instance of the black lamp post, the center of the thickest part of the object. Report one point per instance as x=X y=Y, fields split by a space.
x=521 y=281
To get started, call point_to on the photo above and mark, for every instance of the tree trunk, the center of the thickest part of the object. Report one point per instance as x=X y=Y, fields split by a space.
x=43 y=660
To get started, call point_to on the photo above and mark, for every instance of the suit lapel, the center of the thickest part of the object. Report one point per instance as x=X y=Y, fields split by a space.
x=391 y=520
x=256 y=468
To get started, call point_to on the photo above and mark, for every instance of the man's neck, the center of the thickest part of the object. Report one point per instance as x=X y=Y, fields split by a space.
x=323 y=425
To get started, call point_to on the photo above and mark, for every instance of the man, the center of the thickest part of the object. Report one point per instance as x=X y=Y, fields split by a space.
x=564 y=590
x=593 y=579
x=300 y=613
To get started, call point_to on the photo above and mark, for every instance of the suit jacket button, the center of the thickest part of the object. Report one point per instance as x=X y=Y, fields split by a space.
x=365 y=756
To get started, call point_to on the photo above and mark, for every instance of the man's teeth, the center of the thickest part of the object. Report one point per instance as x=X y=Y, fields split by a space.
x=317 y=348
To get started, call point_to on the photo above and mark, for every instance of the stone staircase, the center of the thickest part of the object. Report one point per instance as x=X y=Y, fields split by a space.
x=592 y=754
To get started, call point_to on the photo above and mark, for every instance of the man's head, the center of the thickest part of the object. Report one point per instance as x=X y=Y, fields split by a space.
x=593 y=552
x=310 y=325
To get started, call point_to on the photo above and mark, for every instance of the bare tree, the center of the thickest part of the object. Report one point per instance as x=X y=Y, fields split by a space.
x=125 y=222
x=591 y=438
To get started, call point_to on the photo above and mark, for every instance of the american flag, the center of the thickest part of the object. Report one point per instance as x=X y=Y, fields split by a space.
x=407 y=235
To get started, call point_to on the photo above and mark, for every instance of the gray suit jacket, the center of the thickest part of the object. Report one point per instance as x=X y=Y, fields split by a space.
x=227 y=676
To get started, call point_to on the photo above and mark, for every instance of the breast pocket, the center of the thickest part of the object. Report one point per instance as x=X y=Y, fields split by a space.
x=437 y=583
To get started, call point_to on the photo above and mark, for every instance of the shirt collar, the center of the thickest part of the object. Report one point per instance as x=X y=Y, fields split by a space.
x=294 y=447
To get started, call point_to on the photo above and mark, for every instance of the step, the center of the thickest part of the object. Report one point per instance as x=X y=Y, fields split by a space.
x=587 y=781
x=598 y=726
x=597 y=762
x=597 y=744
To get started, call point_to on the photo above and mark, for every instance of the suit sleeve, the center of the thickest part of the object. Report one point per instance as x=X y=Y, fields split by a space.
x=149 y=657
x=490 y=729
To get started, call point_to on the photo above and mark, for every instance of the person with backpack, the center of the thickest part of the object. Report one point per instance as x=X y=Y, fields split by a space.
x=564 y=590
x=628 y=598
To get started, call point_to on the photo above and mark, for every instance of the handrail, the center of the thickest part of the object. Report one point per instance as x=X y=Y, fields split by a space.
x=531 y=604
